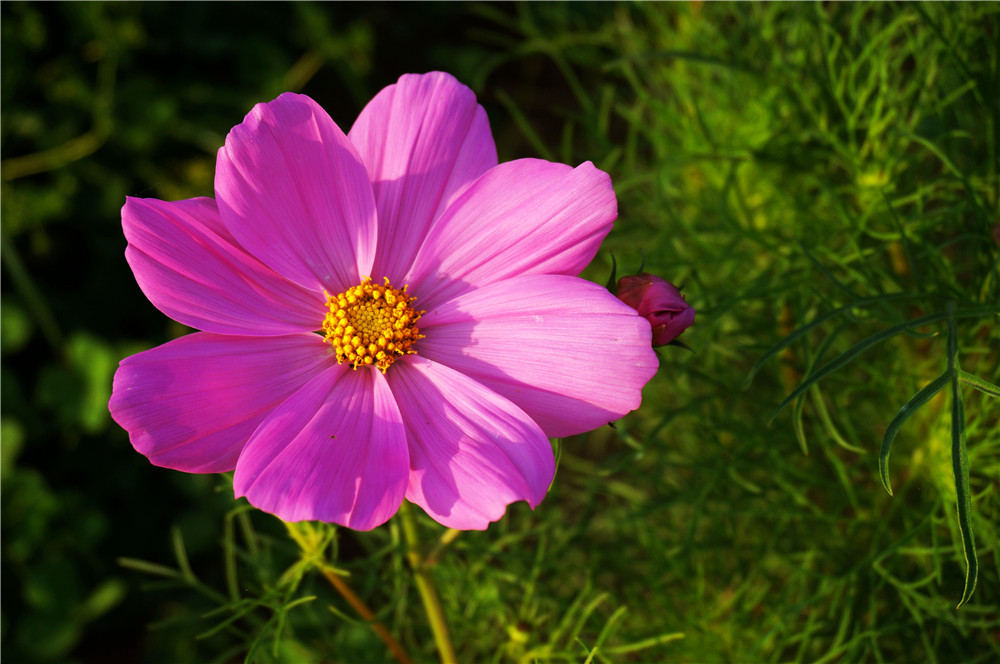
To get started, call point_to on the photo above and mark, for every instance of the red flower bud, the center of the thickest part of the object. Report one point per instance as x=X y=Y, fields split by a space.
x=659 y=302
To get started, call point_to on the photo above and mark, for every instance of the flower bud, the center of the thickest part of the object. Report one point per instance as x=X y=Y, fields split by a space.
x=659 y=302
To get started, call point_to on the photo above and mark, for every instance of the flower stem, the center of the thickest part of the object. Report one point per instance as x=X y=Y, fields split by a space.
x=425 y=586
x=366 y=613
x=313 y=543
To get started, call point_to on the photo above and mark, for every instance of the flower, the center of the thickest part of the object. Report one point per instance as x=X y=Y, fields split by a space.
x=659 y=302
x=453 y=335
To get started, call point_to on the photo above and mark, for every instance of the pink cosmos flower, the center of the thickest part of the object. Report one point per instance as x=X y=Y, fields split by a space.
x=659 y=302
x=454 y=336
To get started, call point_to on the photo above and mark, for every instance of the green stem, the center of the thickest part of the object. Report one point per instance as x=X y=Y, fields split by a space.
x=425 y=586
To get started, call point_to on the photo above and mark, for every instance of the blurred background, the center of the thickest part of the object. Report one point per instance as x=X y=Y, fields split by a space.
x=782 y=161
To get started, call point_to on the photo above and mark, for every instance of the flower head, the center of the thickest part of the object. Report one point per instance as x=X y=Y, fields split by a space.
x=385 y=314
x=658 y=301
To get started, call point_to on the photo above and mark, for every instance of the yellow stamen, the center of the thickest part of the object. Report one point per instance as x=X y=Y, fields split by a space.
x=370 y=324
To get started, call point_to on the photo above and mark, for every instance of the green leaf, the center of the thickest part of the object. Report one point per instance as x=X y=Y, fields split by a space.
x=852 y=353
x=521 y=120
x=94 y=361
x=904 y=238
x=800 y=432
x=980 y=384
x=805 y=329
x=15 y=327
x=963 y=498
x=103 y=598
x=12 y=434
x=180 y=552
x=960 y=464
x=910 y=407
x=827 y=422
x=645 y=643
x=826 y=273
x=149 y=568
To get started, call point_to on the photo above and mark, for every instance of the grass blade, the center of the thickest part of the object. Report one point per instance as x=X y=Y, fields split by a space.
x=910 y=407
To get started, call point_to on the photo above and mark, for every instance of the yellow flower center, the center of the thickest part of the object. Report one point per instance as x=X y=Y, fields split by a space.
x=372 y=325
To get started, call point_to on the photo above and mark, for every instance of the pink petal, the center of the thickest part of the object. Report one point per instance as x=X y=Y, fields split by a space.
x=568 y=352
x=335 y=451
x=293 y=191
x=422 y=139
x=522 y=217
x=192 y=270
x=472 y=452
x=193 y=403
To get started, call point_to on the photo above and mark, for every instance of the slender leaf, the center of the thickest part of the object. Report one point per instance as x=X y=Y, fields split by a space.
x=910 y=407
x=800 y=432
x=805 y=329
x=645 y=643
x=980 y=384
x=904 y=238
x=980 y=311
x=850 y=354
x=960 y=464
x=522 y=122
x=238 y=611
x=826 y=273
x=149 y=568
x=177 y=538
x=963 y=497
x=609 y=627
x=229 y=558
x=827 y=422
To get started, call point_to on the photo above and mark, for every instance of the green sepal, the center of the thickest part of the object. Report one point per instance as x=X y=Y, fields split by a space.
x=681 y=344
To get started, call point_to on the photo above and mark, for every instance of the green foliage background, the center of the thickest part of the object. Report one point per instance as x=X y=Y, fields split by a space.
x=786 y=161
